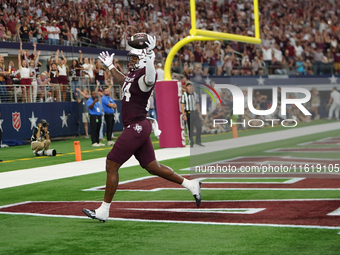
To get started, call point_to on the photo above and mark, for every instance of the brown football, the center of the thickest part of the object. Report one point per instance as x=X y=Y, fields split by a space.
x=138 y=40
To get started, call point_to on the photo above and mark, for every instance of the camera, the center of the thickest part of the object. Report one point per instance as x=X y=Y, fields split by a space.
x=44 y=123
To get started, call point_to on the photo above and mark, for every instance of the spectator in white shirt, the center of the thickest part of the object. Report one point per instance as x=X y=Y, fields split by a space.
x=160 y=72
x=298 y=49
x=50 y=31
x=74 y=34
x=88 y=66
x=277 y=52
x=56 y=32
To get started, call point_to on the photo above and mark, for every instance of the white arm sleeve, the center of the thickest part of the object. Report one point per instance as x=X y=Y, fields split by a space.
x=150 y=72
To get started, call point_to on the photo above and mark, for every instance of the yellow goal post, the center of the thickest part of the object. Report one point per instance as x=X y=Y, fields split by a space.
x=207 y=35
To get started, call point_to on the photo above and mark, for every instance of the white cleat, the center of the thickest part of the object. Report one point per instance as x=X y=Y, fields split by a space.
x=93 y=215
x=196 y=191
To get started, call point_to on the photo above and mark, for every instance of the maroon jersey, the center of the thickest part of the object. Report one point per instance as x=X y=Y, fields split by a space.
x=336 y=57
x=53 y=76
x=134 y=100
x=100 y=75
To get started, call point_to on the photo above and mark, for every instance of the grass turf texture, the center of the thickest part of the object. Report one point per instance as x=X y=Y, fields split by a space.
x=76 y=236
x=45 y=235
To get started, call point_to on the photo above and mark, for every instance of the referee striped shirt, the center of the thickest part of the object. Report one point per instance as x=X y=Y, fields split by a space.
x=189 y=101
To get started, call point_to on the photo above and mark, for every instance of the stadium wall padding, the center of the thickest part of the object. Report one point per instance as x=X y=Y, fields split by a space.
x=64 y=118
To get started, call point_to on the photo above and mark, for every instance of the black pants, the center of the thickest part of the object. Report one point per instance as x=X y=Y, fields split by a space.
x=193 y=120
x=110 y=122
x=95 y=123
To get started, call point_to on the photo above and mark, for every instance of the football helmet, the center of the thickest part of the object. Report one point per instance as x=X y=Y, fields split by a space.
x=136 y=59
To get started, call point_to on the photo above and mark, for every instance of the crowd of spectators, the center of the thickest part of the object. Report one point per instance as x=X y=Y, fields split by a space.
x=298 y=37
x=58 y=80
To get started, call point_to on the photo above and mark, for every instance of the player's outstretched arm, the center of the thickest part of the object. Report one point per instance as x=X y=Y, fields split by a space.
x=107 y=60
x=150 y=72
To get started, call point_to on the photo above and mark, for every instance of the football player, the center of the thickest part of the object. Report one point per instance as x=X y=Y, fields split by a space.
x=137 y=87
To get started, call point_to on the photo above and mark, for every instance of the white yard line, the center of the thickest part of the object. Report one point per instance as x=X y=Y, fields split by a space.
x=54 y=172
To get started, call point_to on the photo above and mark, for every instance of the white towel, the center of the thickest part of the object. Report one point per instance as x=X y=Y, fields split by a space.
x=155 y=128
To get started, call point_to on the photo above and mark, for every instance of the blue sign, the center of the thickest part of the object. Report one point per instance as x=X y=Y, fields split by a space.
x=65 y=119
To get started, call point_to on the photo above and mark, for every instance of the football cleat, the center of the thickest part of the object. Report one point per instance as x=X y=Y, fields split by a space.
x=92 y=214
x=198 y=196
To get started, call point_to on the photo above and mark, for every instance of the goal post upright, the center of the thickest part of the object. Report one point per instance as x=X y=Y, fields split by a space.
x=207 y=35
x=168 y=92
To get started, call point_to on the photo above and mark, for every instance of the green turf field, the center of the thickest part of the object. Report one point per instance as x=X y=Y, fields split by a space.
x=22 y=234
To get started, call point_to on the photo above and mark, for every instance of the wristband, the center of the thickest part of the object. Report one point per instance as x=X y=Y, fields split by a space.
x=111 y=66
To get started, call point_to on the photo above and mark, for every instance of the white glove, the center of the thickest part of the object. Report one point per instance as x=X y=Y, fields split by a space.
x=107 y=59
x=151 y=44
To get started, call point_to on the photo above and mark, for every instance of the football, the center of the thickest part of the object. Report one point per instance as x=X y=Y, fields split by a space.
x=138 y=40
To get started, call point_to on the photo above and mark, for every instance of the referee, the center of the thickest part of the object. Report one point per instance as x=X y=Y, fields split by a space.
x=95 y=118
x=108 y=108
x=192 y=114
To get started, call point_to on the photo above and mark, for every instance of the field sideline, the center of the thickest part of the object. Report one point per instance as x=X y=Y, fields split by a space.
x=237 y=216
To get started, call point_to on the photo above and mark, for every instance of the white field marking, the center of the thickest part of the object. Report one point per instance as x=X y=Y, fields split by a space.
x=291 y=181
x=15 y=204
x=177 y=201
x=181 y=222
x=211 y=210
x=123 y=182
x=160 y=189
x=319 y=140
x=297 y=150
x=335 y=213
x=55 y=172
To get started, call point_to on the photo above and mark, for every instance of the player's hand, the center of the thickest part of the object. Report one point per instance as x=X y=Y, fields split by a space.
x=151 y=43
x=107 y=59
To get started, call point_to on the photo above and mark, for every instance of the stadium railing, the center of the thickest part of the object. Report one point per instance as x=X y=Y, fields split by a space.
x=17 y=93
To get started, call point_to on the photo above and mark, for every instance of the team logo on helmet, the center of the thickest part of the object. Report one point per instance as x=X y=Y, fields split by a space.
x=16 y=120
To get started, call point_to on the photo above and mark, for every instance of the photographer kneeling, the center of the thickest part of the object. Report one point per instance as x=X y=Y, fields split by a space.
x=40 y=140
